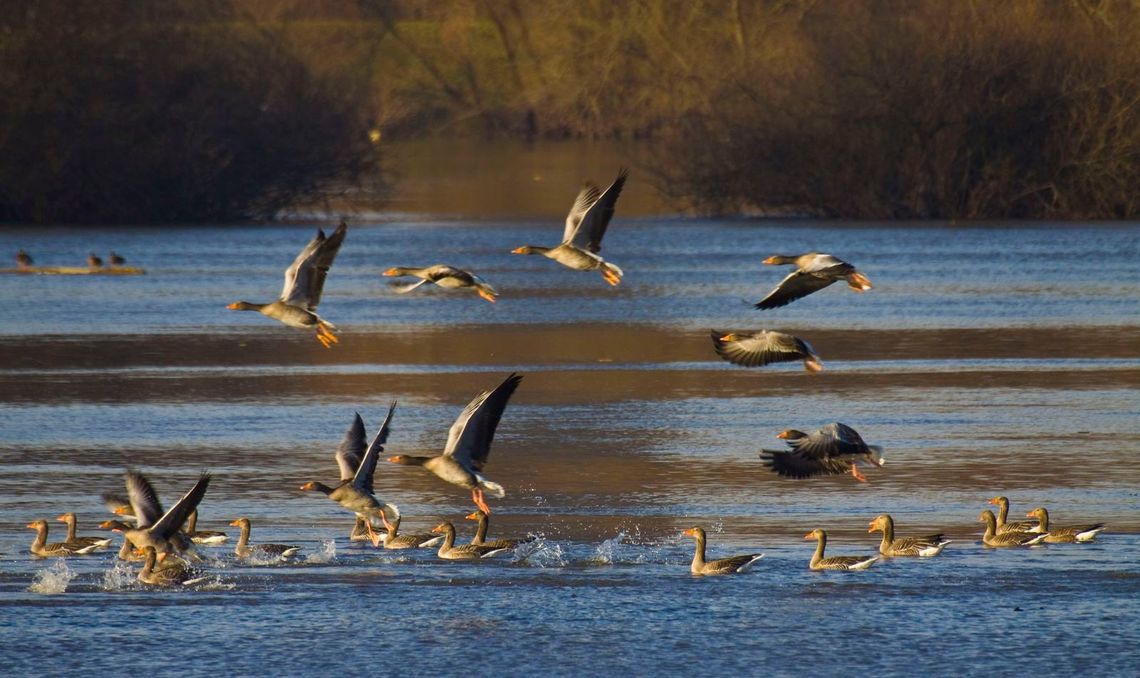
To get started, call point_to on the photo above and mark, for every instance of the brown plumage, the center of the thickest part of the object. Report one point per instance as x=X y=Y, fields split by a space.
x=72 y=538
x=764 y=347
x=818 y=562
x=40 y=546
x=730 y=565
x=991 y=537
x=394 y=540
x=265 y=551
x=814 y=271
x=304 y=282
x=1017 y=526
x=449 y=551
x=172 y=572
x=832 y=450
x=480 y=538
x=930 y=545
x=447 y=277
x=1064 y=534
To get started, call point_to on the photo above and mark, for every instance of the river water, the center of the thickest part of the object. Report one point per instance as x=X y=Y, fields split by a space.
x=988 y=359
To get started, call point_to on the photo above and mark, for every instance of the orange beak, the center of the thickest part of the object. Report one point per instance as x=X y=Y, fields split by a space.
x=728 y=337
x=234 y=523
x=233 y=307
x=62 y=519
x=122 y=510
x=438 y=529
x=519 y=250
x=809 y=535
x=687 y=533
x=782 y=435
x=872 y=527
x=393 y=459
x=772 y=260
x=390 y=272
x=31 y=526
x=474 y=515
x=993 y=501
x=1031 y=514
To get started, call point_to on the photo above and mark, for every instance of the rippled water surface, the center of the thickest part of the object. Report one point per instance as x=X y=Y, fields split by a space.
x=986 y=360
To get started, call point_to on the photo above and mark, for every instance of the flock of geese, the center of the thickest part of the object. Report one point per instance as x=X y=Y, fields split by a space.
x=25 y=262
x=165 y=540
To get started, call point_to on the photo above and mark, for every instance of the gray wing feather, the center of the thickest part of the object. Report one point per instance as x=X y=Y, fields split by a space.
x=351 y=449
x=469 y=440
x=305 y=278
x=173 y=519
x=363 y=478
x=592 y=213
x=796 y=285
x=143 y=498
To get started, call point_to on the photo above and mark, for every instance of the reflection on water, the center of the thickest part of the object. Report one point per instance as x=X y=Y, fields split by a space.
x=1015 y=373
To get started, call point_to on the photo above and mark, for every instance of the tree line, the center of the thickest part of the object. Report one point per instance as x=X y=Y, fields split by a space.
x=224 y=109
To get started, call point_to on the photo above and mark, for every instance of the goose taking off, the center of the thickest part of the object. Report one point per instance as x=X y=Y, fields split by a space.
x=832 y=450
x=585 y=226
x=469 y=444
x=814 y=271
x=304 y=280
x=155 y=527
x=448 y=277
x=764 y=347
x=730 y=565
x=357 y=466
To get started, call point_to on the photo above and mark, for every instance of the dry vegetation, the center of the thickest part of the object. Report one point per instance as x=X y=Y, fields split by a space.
x=215 y=109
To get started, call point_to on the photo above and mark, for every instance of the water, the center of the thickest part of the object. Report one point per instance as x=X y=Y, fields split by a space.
x=985 y=360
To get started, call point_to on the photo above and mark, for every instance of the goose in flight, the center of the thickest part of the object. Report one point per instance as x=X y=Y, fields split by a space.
x=585 y=226
x=448 y=277
x=469 y=444
x=831 y=450
x=814 y=271
x=304 y=280
x=764 y=347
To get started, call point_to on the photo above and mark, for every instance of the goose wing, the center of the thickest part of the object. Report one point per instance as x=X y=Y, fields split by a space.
x=351 y=449
x=305 y=278
x=794 y=464
x=177 y=515
x=761 y=348
x=469 y=440
x=591 y=214
x=143 y=499
x=796 y=285
x=362 y=480
x=832 y=440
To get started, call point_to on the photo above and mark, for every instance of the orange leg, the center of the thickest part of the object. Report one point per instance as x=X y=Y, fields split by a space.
x=372 y=533
x=477 y=497
x=855 y=472
x=326 y=337
x=486 y=296
x=610 y=277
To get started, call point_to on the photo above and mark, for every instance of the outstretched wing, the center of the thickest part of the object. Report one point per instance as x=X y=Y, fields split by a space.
x=591 y=214
x=469 y=441
x=173 y=519
x=143 y=498
x=832 y=440
x=351 y=449
x=796 y=285
x=305 y=278
x=793 y=464
x=362 y=480
x=760 y=348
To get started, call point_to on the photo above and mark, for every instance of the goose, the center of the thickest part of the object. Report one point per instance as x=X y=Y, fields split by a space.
x=244 y=550
x=156 y=528
x=1017 y=526
x=480 y=538
x=41 y=548
x=928 y=546
x=357 y=466
x=394 y=540
x=818 y=562
x=991 y=537
x=585 y=226
x=832 y=450
x=449 y=551
x=730 y=565
x=814 y=271
x=23 y=260
x=1066 y=534
x=448 y=277
x=763 y=347
x=98 y=542
x=116 y=260
x=94 y=261
x=167 y=574
x=469 y=444
x=304 y=281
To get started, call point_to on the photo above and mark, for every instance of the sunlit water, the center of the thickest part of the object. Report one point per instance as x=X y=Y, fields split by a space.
x=985 y=360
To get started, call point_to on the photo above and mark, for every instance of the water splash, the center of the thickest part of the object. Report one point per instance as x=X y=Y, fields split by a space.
x=607 y=552
x=53 y=580
x=540 y=553
x=120 y=577
x=327 y=553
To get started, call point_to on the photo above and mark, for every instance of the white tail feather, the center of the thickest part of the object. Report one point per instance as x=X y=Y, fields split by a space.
x=494 y=488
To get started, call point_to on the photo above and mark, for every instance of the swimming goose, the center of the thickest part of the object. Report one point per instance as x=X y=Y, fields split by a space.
x=814 y=271
x=832 y=450
x=585 y=226
x=167 y=574
x=356 y=470
x=449 y=551
x=41 y=548
x=362 y=530
x=1016 y=526
x=304 y=280
x=1066 y=534
x=94 y=261
x=730 y=565
x=818 y=562
x=448 y=277
x=930 y=545
x=469 y=444
x=992 y=537
x=394 y=540
x=244 y=550
x=210 y=537
x=155 y=528
x=763 y=347
x=480 y=538
x=23 y=260
x=116 y=260
x=98 y=542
